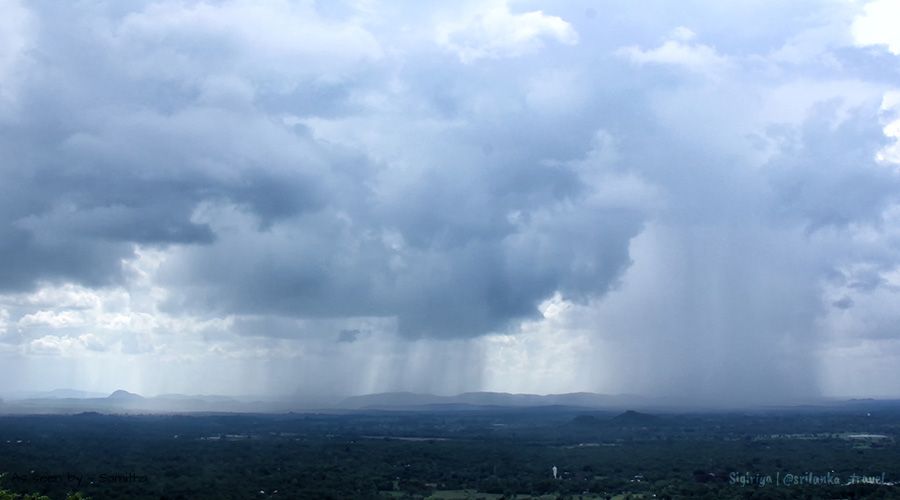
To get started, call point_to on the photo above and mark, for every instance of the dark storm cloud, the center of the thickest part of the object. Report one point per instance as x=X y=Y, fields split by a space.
x=99 y=157
x=140 y=126
x=456 y=243
x=140 y=182
x=441 y=284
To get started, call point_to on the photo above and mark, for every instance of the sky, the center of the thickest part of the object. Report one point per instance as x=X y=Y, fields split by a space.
x=697 y=200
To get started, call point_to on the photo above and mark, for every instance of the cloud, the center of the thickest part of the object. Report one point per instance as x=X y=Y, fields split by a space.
x=832 y=182
x=679 y=51
x=4 y=321
x=890 y=109
x=496 y=32
x=15 y=37
x=877 y=25
x=278 y=45
x=118 y=172
x=53 y=345
x=51 y=319
x=410 y=196
x=453 y=280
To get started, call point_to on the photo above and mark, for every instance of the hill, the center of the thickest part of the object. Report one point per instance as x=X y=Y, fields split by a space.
x=634 y=418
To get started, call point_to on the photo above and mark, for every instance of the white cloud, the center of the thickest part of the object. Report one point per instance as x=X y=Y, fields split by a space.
x=878 y=25
x=679 y=51
x=56 y=345
x=4 y=321
x=64 y=296
x=60 y=319
x=890 y=108
x=683 y=33
x=496 y=32
x=52 y=319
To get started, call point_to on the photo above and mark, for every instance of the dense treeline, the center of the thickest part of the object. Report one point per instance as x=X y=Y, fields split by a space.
x=371 y=455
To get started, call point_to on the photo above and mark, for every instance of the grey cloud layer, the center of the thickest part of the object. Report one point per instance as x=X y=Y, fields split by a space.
x=141 y=127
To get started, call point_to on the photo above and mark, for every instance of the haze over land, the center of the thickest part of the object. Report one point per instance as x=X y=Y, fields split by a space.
x=327 y=199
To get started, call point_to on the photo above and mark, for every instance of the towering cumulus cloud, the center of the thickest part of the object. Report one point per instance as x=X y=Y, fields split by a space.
x=346 y=197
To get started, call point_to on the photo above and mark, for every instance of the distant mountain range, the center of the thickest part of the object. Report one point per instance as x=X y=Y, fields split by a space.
x=121 y=401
